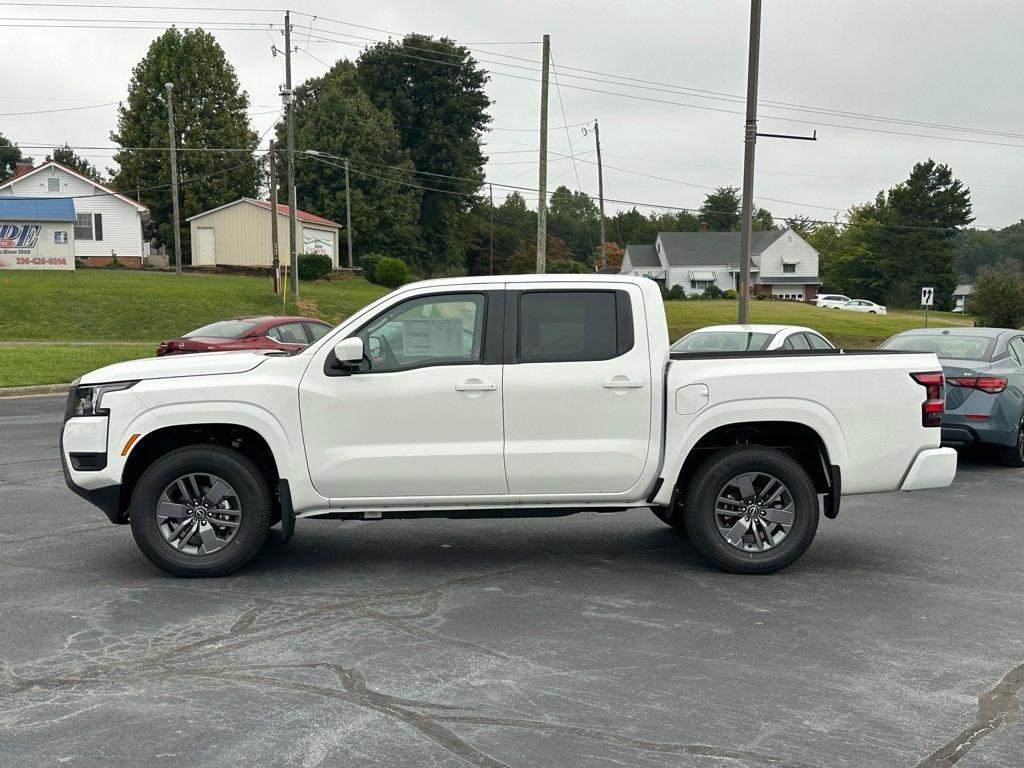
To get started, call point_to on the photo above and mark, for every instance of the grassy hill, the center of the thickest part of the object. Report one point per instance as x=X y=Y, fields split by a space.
x=55 y=312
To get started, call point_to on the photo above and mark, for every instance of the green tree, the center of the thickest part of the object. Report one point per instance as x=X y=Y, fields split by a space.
x=721 y=209
x=210 y=112
x=674 y=221
x=333 y=115
x=68 y=157
x=632 y=228
x=998 y=298
x=573 y=217
x=976 y=248
x=762 y=219
x=10 y=156
x=435 y=91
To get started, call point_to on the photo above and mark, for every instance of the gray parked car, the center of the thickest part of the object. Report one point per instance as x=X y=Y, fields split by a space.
x=984 y=370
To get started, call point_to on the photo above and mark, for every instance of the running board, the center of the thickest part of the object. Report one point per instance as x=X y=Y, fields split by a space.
x=461 y=514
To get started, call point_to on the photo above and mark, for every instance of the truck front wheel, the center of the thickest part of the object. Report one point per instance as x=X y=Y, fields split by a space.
x=751 y=509
x=201 y=510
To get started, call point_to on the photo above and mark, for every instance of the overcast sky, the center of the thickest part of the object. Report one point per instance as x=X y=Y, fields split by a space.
x=941 y=62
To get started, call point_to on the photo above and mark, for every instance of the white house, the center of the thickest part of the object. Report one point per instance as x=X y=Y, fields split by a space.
x=783 y=264
x=106 y=222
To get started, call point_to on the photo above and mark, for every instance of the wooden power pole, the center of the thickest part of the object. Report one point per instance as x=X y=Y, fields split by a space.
x=491 y=189
x=600 y=188
x=348 y=216
x=542 y=182
x=749 y=143
x=174 y=176
x=273 y=218
x=290 y=104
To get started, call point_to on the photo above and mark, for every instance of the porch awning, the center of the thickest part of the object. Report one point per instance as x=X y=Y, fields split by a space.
x=702 y=276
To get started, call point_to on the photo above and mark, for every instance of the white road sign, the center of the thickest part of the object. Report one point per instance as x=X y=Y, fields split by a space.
x=927 y=297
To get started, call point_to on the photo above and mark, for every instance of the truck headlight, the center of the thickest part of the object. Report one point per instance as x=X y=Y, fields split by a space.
x=87 y=399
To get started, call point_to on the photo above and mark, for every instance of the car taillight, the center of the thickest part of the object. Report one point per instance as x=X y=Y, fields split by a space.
x=991 y=384
x=935 y=403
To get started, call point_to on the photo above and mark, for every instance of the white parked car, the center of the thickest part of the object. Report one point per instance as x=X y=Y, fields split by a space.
x=510 y=396
x=746 y=338
x=863 y=305
x=831 y=300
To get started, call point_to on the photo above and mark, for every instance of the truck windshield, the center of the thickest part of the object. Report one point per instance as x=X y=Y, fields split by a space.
x=951 y=347
x=723 y=341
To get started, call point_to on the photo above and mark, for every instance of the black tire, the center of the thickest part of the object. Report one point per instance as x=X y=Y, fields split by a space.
x=249 y=487
x=710 y=479
x=672 y=516
x=1013 y=455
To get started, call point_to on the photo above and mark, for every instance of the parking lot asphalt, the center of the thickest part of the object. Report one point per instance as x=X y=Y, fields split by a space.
x=898 y=640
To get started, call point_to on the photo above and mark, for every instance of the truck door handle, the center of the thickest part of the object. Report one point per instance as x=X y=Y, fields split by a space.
x=475 y=385
x=621 y=382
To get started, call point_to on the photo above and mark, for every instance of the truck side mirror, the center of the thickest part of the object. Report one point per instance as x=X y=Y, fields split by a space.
x=349 y=351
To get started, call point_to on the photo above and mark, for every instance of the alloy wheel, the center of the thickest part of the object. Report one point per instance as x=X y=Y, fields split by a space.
x=754 y=512
x=198 y=514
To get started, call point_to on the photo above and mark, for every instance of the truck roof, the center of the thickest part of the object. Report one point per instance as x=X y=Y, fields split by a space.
x=545 y=278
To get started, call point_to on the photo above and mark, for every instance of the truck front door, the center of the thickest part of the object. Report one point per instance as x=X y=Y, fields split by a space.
x=422 y=416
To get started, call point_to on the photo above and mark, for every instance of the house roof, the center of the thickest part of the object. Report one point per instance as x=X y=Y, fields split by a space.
x=54 y=164
x=309 y=218
x=642 y=256
x=697 y=249
x=36 y=208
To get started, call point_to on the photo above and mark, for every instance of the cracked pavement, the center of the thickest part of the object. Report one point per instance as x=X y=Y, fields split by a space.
x=579 y=641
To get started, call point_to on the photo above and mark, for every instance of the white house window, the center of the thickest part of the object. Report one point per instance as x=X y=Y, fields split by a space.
x=53 y=184
x=83 y=226
x=700 y=285
x=789 y=267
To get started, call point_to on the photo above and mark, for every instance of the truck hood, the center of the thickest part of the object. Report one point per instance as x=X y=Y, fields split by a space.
x=205 y=364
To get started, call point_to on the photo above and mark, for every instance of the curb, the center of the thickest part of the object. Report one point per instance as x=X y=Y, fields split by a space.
x=40 y=389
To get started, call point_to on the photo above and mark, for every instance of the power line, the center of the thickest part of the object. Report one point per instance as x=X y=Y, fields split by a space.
x=59 y=109
x=575 y=170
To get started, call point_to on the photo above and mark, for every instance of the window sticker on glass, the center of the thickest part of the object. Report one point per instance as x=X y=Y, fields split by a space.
x=432 y=337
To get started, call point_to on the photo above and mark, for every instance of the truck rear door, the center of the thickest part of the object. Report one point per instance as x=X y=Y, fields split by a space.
x=577 y=389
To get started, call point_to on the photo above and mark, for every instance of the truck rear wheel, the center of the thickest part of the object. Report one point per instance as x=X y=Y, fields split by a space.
x=751 y=509
x=201 y=510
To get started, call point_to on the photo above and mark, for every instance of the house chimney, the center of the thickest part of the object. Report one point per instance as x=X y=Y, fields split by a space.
x=702 y=227
x=22 y=167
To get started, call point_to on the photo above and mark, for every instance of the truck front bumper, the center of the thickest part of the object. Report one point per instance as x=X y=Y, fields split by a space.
x=106 y=497
x=933 y=468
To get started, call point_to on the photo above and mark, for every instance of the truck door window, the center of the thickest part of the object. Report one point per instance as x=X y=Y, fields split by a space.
x=573 y=326
x=433 y=330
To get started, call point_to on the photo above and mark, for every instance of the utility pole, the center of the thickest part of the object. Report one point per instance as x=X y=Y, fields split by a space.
x=174 y=176
x=273 y=218
x=290 y=105
x=348 y=216
x=749 y=141
x=600 y=188
x=542 y=182
x=491 y=188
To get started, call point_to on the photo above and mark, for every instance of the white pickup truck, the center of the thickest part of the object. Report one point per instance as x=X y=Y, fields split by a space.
x=511 y=396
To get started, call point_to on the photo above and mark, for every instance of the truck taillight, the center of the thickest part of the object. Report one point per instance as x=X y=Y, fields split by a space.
x=935 y=403
x=991 y=384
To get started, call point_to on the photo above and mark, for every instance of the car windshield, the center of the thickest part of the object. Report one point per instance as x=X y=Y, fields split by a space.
x=223 y=329
x=723 y=341
x=951 y=347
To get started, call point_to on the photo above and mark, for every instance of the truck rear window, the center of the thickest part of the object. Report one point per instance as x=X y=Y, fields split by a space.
x=572 y=326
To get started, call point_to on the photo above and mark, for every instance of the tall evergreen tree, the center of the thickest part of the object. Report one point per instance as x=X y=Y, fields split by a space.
x=721 y=209
x=210 y=112
x=334 y=115
x=435 y=91
x=10 y=156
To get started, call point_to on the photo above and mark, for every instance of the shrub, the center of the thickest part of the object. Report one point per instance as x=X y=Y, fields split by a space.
x=761 y=296
x=729 y=294
x=713 y=292
x=566 y=267
x=314 y=266
x=369 y=264
x=676 y=293
x=998 y=298
x=390 y=272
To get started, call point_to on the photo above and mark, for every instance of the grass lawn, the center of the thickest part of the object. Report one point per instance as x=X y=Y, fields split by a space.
x=102 y=305
x=128 y=305
x=28 y=364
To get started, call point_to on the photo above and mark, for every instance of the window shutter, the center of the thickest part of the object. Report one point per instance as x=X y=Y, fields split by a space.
x=97 y=226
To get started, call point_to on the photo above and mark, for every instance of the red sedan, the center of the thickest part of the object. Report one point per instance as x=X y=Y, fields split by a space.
x=284 y=334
